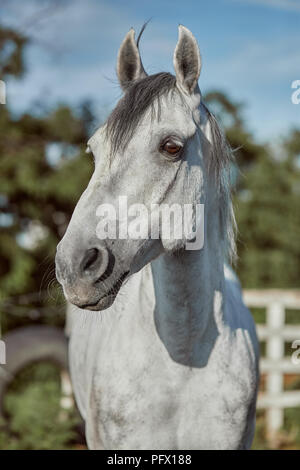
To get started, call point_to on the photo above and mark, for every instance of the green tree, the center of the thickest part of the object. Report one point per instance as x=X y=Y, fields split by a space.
x=266 y=199
x=43 y=170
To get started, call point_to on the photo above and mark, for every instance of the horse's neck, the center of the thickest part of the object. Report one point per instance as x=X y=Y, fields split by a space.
x=188 y=297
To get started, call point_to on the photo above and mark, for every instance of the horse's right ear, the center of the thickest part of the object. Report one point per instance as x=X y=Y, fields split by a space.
x=129 y=65
x=187 y=61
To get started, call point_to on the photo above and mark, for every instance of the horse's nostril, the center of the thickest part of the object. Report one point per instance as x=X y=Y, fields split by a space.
x=94 y=262
x=90 y=258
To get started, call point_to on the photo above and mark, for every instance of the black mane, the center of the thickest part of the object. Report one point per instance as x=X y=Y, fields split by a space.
x=139 y=97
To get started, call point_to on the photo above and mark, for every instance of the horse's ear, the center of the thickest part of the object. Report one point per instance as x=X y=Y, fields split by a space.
x=129 y=65
x=187 y=61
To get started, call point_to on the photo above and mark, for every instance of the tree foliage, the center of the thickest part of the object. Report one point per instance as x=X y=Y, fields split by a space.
x=266 y=199
x=43 y=171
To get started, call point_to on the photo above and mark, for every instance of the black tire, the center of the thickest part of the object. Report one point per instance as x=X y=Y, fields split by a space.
x=30 y=344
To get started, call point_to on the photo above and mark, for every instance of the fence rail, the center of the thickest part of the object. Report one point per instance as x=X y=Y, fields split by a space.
x=275 y=332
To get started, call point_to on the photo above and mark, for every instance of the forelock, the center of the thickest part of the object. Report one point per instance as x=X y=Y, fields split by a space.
x=139 y=97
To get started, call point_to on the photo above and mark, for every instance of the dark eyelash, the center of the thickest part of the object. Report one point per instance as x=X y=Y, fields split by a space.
x=90 y=152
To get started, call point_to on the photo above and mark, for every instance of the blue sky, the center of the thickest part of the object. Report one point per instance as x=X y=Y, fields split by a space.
x=250 y=49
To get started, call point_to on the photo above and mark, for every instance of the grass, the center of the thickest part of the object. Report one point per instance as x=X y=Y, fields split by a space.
x=34 y=416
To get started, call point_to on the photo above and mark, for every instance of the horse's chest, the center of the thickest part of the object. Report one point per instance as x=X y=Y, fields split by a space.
x=149 y=411
x=136 y=397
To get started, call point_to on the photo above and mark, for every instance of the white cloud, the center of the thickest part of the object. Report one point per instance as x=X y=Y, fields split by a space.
x=84 y=39
x=261 y=62
x=260 y=75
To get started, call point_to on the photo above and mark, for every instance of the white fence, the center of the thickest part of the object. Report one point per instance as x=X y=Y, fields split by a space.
x=275 y=332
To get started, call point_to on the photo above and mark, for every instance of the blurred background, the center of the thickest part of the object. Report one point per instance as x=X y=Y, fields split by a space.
x=57 y=59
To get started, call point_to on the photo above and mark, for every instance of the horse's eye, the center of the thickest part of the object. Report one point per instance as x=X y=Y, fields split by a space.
x=171 y=147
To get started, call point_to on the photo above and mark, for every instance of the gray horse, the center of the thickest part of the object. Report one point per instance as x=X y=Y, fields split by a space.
x=172 y=363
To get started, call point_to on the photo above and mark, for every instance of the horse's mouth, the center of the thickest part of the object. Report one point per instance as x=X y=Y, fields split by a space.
x=107 y=299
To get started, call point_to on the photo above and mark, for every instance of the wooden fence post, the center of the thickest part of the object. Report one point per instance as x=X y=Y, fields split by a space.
x=275 y=364
x=275 y=352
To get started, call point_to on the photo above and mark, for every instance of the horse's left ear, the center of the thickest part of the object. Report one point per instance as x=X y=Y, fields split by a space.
x=187 y=61
x=129 y=65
